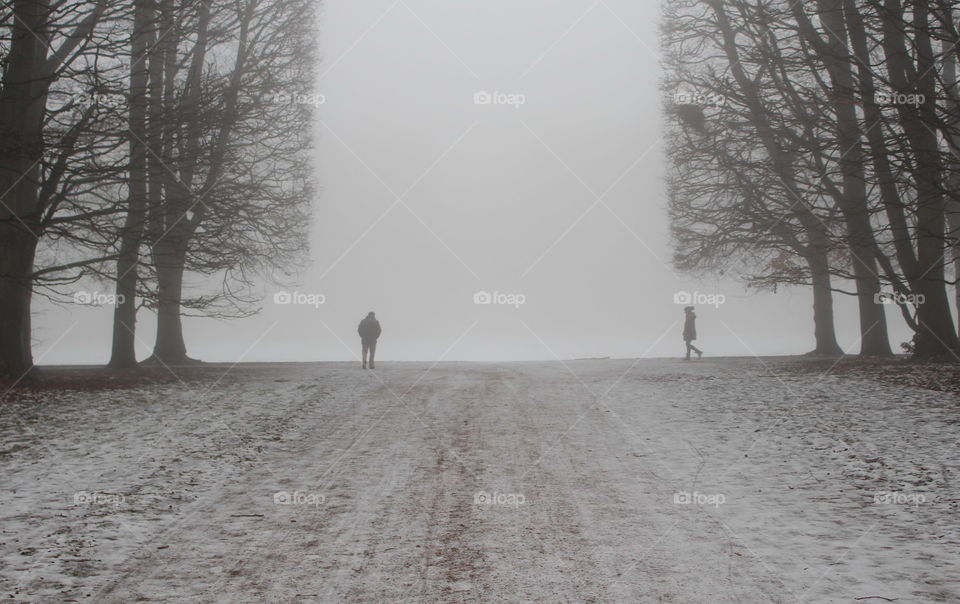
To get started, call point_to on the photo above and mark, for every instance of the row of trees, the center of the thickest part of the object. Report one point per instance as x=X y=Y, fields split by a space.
x=818 y=143
x=145 y=142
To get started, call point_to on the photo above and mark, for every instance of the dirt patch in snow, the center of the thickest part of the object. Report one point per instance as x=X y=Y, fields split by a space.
x=942 y=377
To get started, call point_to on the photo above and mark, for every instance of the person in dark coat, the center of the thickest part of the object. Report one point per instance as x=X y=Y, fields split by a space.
x=690 y=332
x=369 y=331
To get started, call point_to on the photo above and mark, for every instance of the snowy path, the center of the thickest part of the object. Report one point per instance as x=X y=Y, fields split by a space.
x=166 y=493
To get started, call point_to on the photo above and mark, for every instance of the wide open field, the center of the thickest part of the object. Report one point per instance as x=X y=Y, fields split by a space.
x=724 y=480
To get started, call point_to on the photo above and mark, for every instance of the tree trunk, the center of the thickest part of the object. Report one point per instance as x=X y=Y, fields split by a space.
x=949 y=71
x=17 y=249
x=23 y=97
x=823 y=324
x=936 y=336
x=170 y=348
x=873 y=325
x=874 y=339
x=125 y=314
x=953 y=224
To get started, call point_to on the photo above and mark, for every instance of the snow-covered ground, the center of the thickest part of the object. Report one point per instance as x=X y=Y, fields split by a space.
x=589 y=481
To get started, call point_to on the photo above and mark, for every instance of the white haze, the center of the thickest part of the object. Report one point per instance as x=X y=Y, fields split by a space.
x=492 y=198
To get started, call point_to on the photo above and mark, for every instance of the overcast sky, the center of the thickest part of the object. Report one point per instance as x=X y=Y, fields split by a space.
x=551 y=192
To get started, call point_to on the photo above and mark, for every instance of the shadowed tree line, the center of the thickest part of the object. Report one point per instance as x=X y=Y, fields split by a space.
x=145 y=143
x=816 y=144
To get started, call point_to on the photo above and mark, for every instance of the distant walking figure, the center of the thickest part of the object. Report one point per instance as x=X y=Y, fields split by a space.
x=369 y=331
x=690 y=332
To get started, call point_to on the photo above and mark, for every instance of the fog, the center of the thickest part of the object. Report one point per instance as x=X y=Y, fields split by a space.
x=552 y=195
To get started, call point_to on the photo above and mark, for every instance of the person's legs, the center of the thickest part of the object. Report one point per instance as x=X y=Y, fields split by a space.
x=373 y=352
x=689 y=347
x=366 y=349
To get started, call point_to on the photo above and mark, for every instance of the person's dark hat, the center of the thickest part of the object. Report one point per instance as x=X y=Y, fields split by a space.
x=687 y=308
x=372 y=314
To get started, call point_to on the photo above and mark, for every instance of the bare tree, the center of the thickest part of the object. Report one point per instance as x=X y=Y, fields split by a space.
x=44 y=45
x=227 y=190
x=740 y=188
x=853 y=107
x=142 y=38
